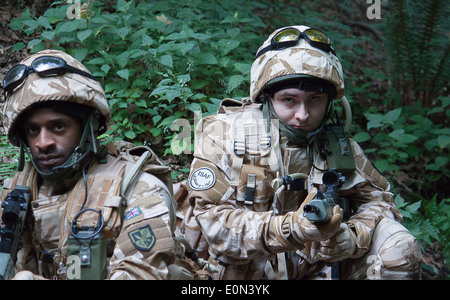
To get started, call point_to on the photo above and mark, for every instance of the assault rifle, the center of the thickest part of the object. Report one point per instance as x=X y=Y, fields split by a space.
x=320 y=209
x=15 y=210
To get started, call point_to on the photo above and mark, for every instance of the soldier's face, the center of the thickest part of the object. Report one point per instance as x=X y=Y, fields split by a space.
x=300 y=109
x=51 y=136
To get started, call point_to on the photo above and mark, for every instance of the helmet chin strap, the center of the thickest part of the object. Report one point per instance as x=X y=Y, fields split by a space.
x=88 y=144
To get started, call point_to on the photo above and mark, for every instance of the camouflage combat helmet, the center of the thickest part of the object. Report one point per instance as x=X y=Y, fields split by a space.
x=296 y=56
x=300 y=60
x=74 y=86
x=69 y=87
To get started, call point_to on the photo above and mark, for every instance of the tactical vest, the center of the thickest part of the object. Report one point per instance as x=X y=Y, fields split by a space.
x=265 y=172
x=263 y=166
x=108 y=186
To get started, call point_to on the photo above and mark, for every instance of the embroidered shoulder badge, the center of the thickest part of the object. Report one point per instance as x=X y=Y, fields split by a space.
x=202 y=179
x=143 y=238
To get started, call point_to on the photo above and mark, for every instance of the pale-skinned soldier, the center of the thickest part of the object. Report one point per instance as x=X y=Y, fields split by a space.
x=260 y=161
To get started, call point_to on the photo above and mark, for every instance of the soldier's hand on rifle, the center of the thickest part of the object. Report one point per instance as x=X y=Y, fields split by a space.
x=294 y=229
x=340 y=246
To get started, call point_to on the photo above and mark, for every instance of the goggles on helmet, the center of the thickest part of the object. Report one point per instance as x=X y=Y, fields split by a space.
x=44 y=66
x=289 y=37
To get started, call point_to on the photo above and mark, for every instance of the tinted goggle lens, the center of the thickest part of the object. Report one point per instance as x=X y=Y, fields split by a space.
x=289 y=37
x=49 y=66
x=14 y=77
x=317 y=36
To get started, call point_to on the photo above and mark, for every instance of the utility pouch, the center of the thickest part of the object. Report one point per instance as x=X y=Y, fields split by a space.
x=86 y=253
x=338 y=149
x=91 y=253
x=254 y=185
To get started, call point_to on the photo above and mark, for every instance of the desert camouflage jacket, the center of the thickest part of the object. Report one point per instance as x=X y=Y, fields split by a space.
x=234 y=232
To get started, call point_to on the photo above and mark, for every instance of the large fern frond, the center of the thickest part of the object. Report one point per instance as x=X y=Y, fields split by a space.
x=417 y=41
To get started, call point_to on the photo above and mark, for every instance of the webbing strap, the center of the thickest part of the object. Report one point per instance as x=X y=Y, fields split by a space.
x=131 y=172
x=130 y=178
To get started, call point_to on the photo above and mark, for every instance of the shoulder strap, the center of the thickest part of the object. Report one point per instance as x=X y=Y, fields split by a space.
x=133 y=169
x=131 y=172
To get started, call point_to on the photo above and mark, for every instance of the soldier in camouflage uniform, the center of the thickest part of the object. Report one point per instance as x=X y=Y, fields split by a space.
x=54 y=111
x=257 y=163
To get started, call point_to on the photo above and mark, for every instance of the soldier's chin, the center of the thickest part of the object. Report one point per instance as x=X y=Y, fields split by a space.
x=47 y=166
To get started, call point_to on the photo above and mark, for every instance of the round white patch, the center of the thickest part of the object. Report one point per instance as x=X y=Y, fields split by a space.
x=202 y=179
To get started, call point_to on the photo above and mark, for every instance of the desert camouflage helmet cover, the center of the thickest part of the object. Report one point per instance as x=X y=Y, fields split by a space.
x=302 y=59
x=69 y=87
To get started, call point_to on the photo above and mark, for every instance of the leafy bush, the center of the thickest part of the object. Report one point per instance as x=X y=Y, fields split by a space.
x=8 y=159
x=157 y=60
x=404 y=132
x=429 y=225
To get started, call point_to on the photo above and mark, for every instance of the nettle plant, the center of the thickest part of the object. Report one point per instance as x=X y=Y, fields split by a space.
x=158 y=61
x=409 y=139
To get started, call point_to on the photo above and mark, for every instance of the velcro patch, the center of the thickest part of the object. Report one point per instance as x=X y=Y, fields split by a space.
x=142 y=238
x=202 y=179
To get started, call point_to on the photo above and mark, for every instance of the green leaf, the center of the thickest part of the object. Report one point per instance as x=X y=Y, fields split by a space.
x=48 y=35
x=33 y=43
x=80 y=54
x=234 y=82
x=206 y=58
x=125 y=73
x=123 y=5
x=194 y=107
x=392 y=116
x=361 y=137
x=443 y=141
x=156 y=119
x=185 y=47
x=382 y=165
x=130 y=134
x=399 y=201
x=71 y=26
x=44 y=22
x=141 y=103
x=147 y=40
x=414 y=206
x=122 y=32
x=82 y=35
x=438 y=163
x=227 y=45
x=401 y=136
x=19 y=46
x=375 y=120
x=243 y=68
x=166 y=60
x=105 y=68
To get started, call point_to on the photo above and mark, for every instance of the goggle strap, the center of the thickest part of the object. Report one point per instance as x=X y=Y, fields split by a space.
x=264 y=50
x=80 y=72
